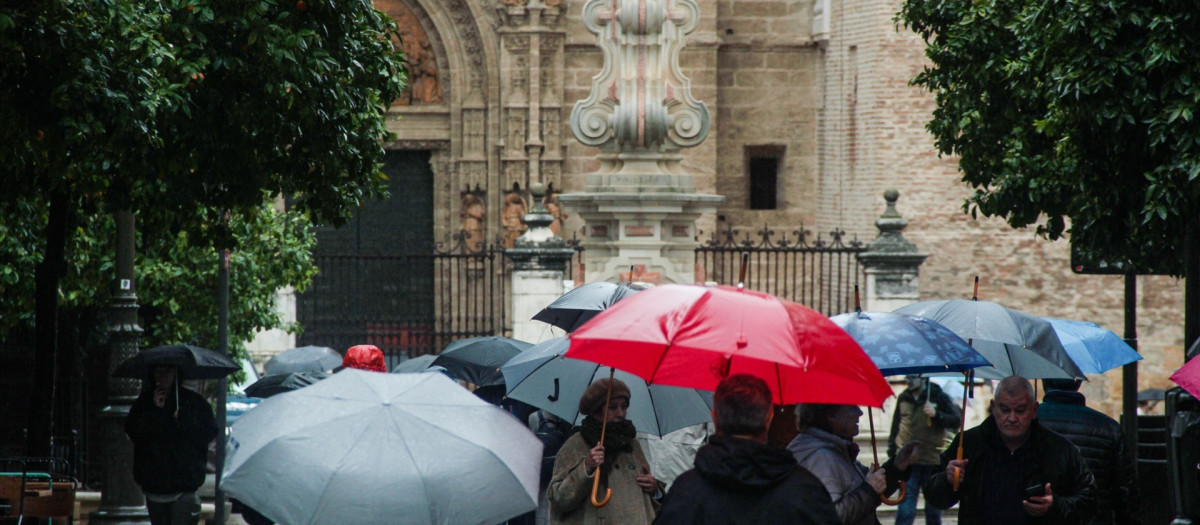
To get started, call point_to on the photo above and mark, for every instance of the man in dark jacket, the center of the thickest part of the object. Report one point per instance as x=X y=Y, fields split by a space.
x=1064 y=410
x=738 y=479
x=170 y=428
x=923 y=413
x=1013 y=471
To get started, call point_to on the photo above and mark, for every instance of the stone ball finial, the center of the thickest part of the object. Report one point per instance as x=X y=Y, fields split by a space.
x=890 y=195
x=537 y=190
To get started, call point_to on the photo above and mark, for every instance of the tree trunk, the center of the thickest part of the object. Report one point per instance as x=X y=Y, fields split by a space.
x=46 y=352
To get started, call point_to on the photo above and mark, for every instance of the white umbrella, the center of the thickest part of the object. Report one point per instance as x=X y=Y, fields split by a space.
x=367 y=448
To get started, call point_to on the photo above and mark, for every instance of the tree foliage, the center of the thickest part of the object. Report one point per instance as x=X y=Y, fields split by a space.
x=181 y=111
x=1076 y=116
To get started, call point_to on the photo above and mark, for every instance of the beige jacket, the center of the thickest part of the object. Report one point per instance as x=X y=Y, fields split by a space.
x=571 y=488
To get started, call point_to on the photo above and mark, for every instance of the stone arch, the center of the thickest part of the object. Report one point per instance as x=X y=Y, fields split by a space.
x=461 y=34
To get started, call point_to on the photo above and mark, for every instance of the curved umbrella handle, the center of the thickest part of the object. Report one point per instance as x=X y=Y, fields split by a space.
x=899 y=497
x=596 y=489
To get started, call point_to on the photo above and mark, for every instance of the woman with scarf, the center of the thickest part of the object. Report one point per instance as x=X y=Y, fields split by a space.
x=622 y=464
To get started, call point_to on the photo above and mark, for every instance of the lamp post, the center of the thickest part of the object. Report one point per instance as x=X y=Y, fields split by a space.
x=121 y=500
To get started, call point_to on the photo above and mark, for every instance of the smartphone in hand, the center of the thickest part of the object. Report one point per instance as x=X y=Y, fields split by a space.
x=1034 y=491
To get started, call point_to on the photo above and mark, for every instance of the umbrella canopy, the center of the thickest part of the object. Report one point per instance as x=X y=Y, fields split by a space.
x=369 y=448
x=280 y=383
x=1188 y=377
x=193 y=362
x=477 y=360
x=416 y=364
x=303 y=359
x=1016 y=343
x=582 y=303
x=543 y=378
x=901 y=344
x=694 y=336
x=1095 y=349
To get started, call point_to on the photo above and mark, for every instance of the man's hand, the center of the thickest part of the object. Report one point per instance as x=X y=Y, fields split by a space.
x=907 y=455
x=594 y=459
x=1038 y=506
x=956 y=464
x=160 y=396
x=929 y=409
x=647 y=482
x=876 y=480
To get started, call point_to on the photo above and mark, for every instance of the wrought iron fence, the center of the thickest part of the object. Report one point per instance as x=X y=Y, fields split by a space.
x=819 y=274
x=411 y=304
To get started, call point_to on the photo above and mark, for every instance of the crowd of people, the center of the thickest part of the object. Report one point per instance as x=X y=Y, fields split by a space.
x=1057 y=463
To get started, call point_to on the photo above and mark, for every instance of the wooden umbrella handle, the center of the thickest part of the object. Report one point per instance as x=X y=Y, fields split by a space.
x=899 y=496
x=957 y=471
x=596 y=489
x=603 y=427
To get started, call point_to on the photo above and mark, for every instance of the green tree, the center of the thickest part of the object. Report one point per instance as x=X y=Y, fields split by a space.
x=1074 y=116
x=180 y=110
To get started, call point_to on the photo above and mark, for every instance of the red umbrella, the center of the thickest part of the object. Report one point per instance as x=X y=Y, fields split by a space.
x=693 y=336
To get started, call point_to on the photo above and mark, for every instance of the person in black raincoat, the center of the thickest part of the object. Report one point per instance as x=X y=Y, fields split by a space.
x=170 y=428
x=738 y=479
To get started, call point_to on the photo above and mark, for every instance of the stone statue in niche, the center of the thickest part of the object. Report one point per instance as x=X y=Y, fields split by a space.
x=473 y=214
x=423 y=85
x=550 y=201
x=514 y=210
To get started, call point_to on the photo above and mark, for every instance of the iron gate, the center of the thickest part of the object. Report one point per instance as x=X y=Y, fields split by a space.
x=819 y=274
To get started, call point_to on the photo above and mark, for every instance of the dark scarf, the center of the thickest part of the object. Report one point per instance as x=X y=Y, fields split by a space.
x=617 y=438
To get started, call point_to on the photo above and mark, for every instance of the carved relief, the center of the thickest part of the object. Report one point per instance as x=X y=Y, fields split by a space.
x=514 y=173
x=520 y=73
x=549 y=78
x=514 y=209
x=473 y=133
x=474 y=173
x=464 y=20
x=424 y=86
x=551 y=128
x=515 y=131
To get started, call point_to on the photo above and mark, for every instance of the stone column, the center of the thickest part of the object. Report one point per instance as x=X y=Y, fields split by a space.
x=540 y=261
x=892 y=262
x=640 y=207
x=121 y=500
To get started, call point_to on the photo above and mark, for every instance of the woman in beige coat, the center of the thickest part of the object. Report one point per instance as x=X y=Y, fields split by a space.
x=623 y=466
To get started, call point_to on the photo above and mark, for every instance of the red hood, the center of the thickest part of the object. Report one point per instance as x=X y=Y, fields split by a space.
x=365 y=357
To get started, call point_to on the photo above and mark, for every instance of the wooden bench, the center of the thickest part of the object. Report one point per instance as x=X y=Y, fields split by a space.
x=38 y=495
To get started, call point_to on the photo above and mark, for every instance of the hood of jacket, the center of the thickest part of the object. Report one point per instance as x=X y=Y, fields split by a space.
x=743 y=465
x=365 y=357
x=813 y=439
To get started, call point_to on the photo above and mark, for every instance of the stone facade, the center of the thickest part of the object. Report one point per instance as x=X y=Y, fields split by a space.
x=825 y=83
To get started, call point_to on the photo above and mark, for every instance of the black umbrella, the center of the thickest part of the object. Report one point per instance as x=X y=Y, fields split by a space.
x=303 y=359
x=280 y=383
x=477 y=360
x=579 y=305
x=193 y=362
x=414 y=365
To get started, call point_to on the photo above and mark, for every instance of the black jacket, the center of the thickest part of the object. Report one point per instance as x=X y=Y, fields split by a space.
x=1100 y=441
x=170 y=453
x=1055 y=460
x=739 y=481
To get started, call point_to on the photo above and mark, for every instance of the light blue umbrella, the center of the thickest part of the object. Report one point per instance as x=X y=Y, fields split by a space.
x=1095 y=349
x=901 y=344
x=542 y=377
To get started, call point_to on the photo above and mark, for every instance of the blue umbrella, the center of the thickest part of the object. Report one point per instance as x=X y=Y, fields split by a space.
x=901 y=344
x=1096 y=350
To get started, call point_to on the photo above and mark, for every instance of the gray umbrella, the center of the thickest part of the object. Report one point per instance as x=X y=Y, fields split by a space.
x=303 y=359
x=1016 y=343
x=364 y=448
